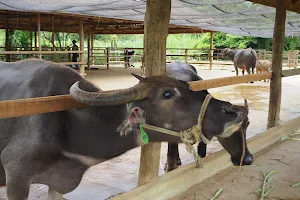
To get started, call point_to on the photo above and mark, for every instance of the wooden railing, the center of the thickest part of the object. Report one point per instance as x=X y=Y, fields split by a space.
x=23 y=107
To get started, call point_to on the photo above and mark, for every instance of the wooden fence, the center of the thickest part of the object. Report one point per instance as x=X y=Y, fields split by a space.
x=105 y=56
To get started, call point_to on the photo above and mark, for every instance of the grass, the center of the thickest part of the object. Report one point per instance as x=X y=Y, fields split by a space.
x=214 y=197
x=264 y=191
x=292 y=136
x=296 y=184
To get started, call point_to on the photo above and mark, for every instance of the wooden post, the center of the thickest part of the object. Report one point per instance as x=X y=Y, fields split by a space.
x=7 y=42
x=81 y=69
x=30 y=34
x=156 y=31
x=39 y=34
x=107 y=58
x=52 y=38
x=211 y=54
x=92 y=48
x=35 y=39
x=296 y=59
x=186 y=55
x=275 y=87
x=89 y=46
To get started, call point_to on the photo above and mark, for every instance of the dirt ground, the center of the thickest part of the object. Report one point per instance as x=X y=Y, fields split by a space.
x=120 y=174
x=283 y=158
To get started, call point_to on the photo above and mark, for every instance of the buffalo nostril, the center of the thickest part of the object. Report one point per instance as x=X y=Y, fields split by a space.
x=248 y=160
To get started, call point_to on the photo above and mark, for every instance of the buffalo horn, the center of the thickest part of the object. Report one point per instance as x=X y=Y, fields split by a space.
x=109 y=98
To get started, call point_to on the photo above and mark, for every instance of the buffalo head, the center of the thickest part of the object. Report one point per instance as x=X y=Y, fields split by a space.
x=164 y=102
x=224 y=52
x=234 y=143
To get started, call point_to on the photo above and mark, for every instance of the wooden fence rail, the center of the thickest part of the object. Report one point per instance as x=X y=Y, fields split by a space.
x=23 y=107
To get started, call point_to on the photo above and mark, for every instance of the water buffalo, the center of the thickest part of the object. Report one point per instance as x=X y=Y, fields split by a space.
x=244 y=59
x=233 y=144
x=263 y=66
x=56 y=148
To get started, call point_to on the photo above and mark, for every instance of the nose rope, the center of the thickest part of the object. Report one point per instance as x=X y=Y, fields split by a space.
x=190 y=136
x=244 y=149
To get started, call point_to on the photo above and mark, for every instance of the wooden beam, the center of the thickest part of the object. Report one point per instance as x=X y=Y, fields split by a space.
x=277 y=52
x=81 y=33
x=178 y=181
x=291 y=72
x=39 y=33
x=23 y=107
x=295 y=7
x=38 y=52
x=156 y=28
x=219 y=82
x=211 y=50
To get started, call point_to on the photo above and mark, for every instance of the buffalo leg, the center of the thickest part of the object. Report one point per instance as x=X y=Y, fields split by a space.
x=236 y=70
x=248 y=71
x=202 y=149
x=243 y=72
x=2 y=176
x=18 y=184
x=173 y=159
x=53 y=195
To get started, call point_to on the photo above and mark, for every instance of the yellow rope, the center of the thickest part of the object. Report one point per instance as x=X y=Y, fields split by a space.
x=190 y=136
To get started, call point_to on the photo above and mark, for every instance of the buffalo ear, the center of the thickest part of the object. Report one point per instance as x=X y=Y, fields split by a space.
x=137 y=76
x=246 y=105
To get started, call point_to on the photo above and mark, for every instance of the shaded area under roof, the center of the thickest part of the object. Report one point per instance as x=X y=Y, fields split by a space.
x=239 y=17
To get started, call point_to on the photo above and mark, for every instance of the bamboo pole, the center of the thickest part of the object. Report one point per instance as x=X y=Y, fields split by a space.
x=211 y=50
x=23 y=107
x=81 y=69
x=277 y=49
x=39 y=33
x=156 y=27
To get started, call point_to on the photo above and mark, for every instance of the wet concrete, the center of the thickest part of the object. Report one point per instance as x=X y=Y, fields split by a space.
x=120 y=174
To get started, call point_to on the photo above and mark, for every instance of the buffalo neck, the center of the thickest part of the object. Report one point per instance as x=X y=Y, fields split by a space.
x=92 y=131
x=231 y=54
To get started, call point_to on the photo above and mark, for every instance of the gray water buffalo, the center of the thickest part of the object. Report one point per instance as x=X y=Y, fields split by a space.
x=56 y=148
x=233 y=144
x=244 y=59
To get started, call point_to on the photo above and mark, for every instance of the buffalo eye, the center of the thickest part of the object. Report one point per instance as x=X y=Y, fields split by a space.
x=168 y=94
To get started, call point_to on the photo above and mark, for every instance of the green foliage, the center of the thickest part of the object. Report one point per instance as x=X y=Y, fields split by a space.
x=200 y=41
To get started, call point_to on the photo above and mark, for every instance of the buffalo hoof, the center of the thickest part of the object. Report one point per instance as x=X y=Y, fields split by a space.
x=172 y=163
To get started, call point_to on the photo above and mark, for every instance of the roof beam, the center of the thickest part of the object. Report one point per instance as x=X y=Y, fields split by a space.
x=292 y=5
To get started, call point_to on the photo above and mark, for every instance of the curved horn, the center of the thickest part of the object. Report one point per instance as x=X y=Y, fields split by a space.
x=106 y=98
x=246 y=105
x=137 y=76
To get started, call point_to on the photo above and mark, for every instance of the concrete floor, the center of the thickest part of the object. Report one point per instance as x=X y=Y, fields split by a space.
x=120 y=174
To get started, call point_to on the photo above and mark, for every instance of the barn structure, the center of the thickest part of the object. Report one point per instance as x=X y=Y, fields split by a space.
x=246 y=18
